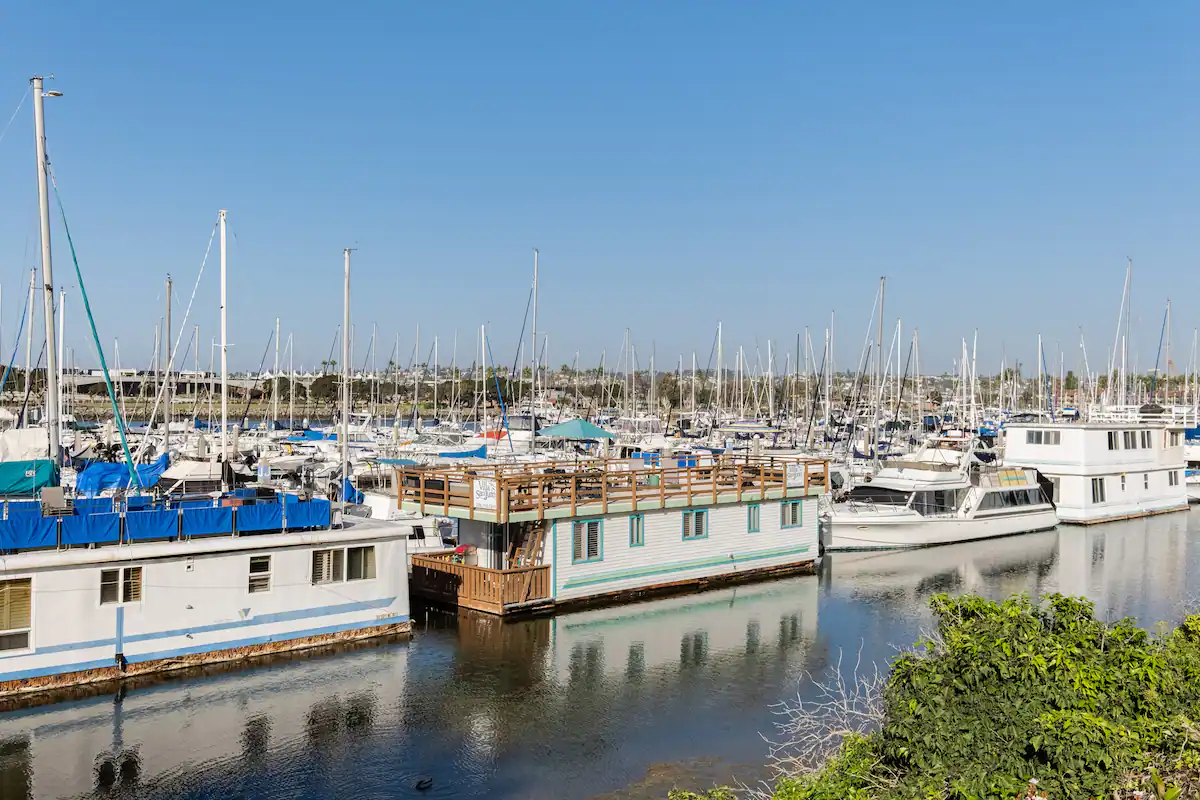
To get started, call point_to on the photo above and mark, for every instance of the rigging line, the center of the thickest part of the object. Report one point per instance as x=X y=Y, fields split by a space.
x=87 y=307
x=162 y=390
x=16 y=346
x=261 y=362
x=14 y=114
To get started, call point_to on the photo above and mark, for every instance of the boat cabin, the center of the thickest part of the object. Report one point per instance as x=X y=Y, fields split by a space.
x=1104 y=471
x=551 y=533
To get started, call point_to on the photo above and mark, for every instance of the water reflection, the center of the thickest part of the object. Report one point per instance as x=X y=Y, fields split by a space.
x=562 y=707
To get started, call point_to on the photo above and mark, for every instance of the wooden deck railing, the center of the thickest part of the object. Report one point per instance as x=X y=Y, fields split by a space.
x=567 y=485
x=436 y=577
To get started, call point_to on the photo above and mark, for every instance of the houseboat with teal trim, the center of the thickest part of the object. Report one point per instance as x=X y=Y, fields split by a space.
x=101 y=588
x=537 y=536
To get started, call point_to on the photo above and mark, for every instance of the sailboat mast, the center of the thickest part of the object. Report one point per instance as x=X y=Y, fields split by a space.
x=533 y=353
x=167 y=374
x=39 y=130
x=275 y=381
x=224 y=358
x=345 y=436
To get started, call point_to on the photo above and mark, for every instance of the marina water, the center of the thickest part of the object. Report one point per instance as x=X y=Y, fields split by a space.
x=620 y=702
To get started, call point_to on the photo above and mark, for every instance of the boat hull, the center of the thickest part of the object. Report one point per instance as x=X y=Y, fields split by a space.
x=849 y=531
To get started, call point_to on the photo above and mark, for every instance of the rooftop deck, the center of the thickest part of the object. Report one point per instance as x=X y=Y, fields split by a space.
x=564 y=489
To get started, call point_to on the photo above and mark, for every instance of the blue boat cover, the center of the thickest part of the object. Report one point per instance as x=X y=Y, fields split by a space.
x=91 y=529
x=479 y=452
x=138 y=501
x=1192 y=434
x=351 y=494
x=309 y=514
x=26 y=477
x=195 y=504
x=260 y=517
x=203 y=521
x=93 y=505
x=99 y=476
x=24 y=507
x=151 y=524
x=25 y=531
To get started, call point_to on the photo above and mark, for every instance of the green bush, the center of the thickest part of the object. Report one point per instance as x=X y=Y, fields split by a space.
x=1005 y=692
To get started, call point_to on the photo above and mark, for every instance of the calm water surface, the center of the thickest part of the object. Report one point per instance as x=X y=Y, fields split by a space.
x=576 y=706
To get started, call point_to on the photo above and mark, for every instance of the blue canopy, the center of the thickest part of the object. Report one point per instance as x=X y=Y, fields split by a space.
x=575 y=429
x=100 y=475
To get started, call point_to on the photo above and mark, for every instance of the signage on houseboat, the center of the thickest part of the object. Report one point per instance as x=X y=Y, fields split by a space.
x=485 y=493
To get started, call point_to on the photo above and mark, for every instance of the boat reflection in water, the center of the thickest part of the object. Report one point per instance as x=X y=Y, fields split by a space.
x=562 y=707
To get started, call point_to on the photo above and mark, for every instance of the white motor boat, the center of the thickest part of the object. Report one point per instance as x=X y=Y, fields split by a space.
x=927 y=501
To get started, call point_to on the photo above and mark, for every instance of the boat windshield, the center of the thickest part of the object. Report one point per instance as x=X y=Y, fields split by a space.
x=879 y=495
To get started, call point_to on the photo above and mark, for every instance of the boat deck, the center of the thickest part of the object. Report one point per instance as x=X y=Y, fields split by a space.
x=564 y=489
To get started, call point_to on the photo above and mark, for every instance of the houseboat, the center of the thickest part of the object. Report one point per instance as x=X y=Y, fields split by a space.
x=939 y=496
x=1102 y=471
x=541 y=535
x=101 y=588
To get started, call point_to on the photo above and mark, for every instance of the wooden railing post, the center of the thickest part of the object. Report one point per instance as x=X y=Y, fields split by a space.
x=633 y=487
x=574 y=491
x=662 y=488
x=739 y=483
x=762 y=482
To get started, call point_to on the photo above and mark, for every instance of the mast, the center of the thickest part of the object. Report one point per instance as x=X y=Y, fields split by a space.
x=879 y=375
x=275 y=381
x=345 y=436
x=224 y=360
x=29 y=336
x=717 y=404
x=533 y=354
x=291 y=384
x=39 y=130
x=62 y=320
x=167 y=356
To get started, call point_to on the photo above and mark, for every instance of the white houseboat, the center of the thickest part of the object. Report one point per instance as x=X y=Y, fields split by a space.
x=107 y=588
x=547 y=534
x=1104 y=471
x=941 y=496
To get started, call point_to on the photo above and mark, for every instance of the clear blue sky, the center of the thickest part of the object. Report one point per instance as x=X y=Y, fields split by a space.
x=676 y=164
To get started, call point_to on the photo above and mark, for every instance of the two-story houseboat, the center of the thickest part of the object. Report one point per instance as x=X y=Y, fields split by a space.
x=1105 y=470
x=547 y=534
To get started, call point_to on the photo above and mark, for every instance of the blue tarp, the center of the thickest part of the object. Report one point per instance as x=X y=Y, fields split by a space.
x=1191 y=434
x=351 y=494
x=151 y=525
x=398 y=462
x=95 y=505
x=26 y=531
x=309 y=436
x=26 y=477
x=202 y=521
x=99 y=476
x=91 y=529
x=24 y=507
x=260 y=517
x=310 y=514
x=138 y=502
x=479 y=452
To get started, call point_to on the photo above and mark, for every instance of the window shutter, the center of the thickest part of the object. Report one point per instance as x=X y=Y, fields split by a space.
x=132 y=587
x=687 y=524
x=15 y=603
x=320 y=566
x=339 y=558
x=369 y=563
x=593 y=539
x=577 y=541
x=698 y=532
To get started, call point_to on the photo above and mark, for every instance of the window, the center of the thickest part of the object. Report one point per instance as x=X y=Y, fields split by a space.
x=1130 y=438
x=16 y=599
x=327 y=566
x=1033 y=437
x=1054 y=489
x=120 y=585
x=695 y=525
x=1053 y=437
x=260 y=574
x=1043 y=437
x=1122 y=483
x=1146 y=440
x=637 y=530
x=586 y=541
x=360 y=563
x=1173 y=478
x=1097 y=490
x=790 y=515
x=1173 y=439
x=417 y=534
x=938 y=501
x=754 y=518
x=1112 y=441
x=1145 y=480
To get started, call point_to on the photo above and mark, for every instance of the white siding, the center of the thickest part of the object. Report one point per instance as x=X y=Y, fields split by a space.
x=199 y=604
x=667 y=557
